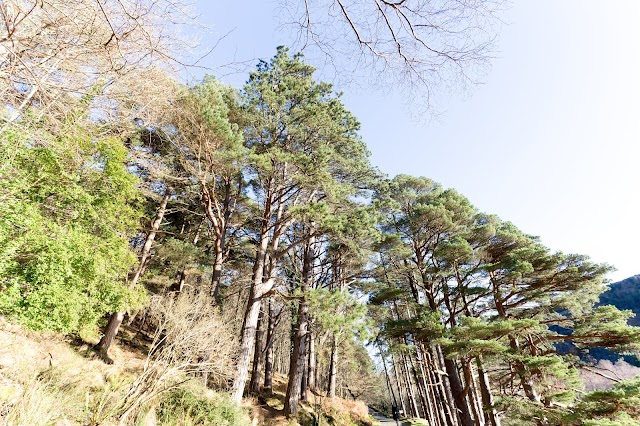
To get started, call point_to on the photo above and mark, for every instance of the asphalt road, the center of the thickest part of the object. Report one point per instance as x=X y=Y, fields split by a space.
x=382 y=420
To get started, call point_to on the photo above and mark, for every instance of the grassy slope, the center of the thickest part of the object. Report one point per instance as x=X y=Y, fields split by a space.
x=46 y=379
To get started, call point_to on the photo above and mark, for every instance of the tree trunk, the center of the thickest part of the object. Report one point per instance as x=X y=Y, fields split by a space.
x=251 y=317
x=457 y=389
x=311 y=376
x=395 y=365
x=298 y=362
x=386 y=373
x=525 y=376
x=421 y=394
x=269 y=355
x=445 y=388
x=304 y=385
x=490 y=413
x=436 y=388
x=410 y=392
x=111 y=330
x=472 y=394
x=333 y=368
x=428 y=401
x=217 y=269
x=258 y=356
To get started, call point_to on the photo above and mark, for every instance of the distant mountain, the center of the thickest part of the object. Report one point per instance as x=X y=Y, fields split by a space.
x=624 y=294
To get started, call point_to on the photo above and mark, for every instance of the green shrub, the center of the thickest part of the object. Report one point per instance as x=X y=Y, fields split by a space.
x=184 y=407
x=67 y=209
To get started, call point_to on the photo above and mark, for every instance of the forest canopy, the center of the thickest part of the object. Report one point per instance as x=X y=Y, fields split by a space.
x=246 y=231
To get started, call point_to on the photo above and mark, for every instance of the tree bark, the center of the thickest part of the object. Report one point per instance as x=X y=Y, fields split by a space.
x=490 y=413
x=333 y=368
x=410 y=392
x=457 y=389
x=311 y=375
x=472 y=394
x=436 y=388
x=448 y=401
x=395 y=365
x=217 y=268
x=269 y=353
x=113 y=325
x=258 y=356
x=428 y=401
x=523 y=373
x=298 y=362
x=386 y=373
x=304 y=385
x=251 y=316
x=416 y=379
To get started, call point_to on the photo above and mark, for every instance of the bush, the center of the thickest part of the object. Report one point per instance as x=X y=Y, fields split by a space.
x=66 y=211
x=191 y=340
x=184 y=407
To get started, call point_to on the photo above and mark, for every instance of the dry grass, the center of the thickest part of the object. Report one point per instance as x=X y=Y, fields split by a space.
x=46 y=379
x=191 y=340
x=267 y=409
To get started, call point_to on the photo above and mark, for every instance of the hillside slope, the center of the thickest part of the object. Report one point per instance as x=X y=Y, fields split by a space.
x=47 y=379
x=624 y=294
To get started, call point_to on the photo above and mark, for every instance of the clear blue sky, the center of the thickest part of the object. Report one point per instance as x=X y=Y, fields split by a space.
x=551 y=141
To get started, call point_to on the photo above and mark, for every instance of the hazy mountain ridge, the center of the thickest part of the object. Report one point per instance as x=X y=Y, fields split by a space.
x=624 y=294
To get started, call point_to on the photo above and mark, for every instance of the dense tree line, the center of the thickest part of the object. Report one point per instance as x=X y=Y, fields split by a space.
x=472 y=308
x=262 y=200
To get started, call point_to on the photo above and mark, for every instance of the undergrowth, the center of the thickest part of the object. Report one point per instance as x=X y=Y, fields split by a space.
x=183 y=407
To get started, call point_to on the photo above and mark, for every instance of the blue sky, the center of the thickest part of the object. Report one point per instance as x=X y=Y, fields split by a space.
x=550 y=141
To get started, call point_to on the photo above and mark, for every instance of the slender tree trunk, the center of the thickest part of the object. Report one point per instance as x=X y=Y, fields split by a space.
x=410 y=391
x=386 y=374
x=111 y=330
x=475 y=399
x=333 y=367
x=304 y=385
x=437 y=389
x=457 y=389
x=448 y=401
x=396 y=367
x=179 y=286
x=523 y=373
x=258 y=356
x=219 y=215
x=472 y=397
x=269 y=355
x=251 y=317
x=298 y=362
x=216 y=275
x=312 y=363
x=490 y=413
x=421 y=395
x=429 y=403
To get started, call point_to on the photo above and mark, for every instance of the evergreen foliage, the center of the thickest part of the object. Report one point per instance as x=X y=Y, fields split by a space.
x=68 y=208
x=270 y=206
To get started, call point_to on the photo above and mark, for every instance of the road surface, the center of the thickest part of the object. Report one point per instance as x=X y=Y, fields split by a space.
x=382 y=420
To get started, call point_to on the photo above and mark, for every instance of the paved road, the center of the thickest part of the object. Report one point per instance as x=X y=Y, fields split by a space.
x=382 y=420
